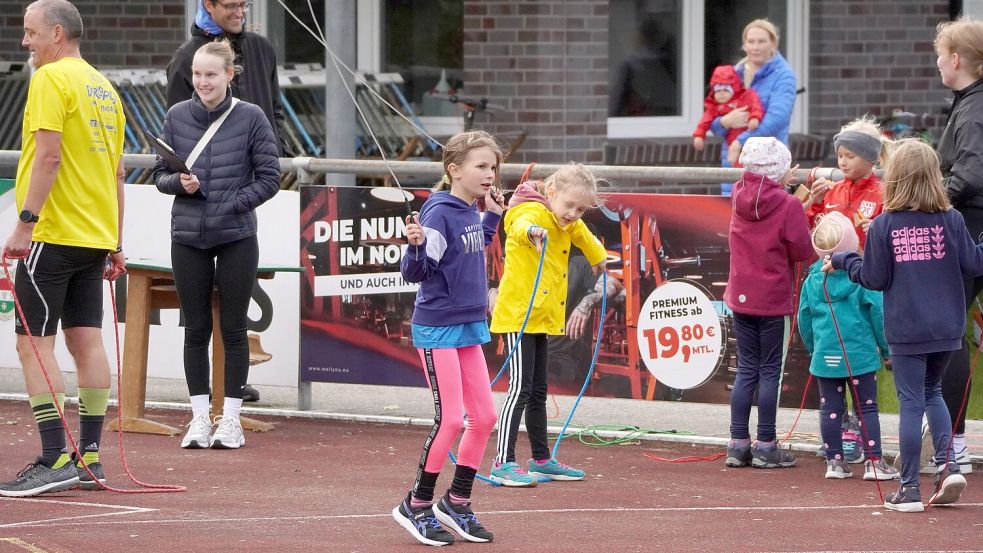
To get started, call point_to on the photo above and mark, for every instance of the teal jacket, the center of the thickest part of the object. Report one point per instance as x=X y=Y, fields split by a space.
x=859 y=315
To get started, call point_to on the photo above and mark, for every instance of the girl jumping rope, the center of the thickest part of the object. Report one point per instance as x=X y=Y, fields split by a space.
x=860 y=319
x=917 y=253
x=549 y=210
x=446 y=255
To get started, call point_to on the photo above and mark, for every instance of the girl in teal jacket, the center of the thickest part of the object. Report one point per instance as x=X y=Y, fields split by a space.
x=860 y=318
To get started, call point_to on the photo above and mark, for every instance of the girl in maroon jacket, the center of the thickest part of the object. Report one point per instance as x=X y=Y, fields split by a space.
x=768 y=234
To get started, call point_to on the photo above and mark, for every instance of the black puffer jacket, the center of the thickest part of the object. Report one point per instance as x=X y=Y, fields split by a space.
x=258 y=83
x=961 y=152
x=238 y=170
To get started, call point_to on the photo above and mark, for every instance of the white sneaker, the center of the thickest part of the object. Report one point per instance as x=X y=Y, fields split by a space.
x=879 y=470
x=199 y=433
x=964 y=461
x=228 y=435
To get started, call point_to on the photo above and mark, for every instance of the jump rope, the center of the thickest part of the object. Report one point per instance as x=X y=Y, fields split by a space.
x=144 y=487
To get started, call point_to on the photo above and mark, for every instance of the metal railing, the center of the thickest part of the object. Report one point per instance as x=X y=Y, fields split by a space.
x=305 y=167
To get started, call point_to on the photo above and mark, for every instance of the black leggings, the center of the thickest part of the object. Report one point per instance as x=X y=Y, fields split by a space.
x=956 y=377
x=231 y=269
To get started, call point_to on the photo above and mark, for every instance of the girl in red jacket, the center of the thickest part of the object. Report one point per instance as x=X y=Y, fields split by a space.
x=859 y=147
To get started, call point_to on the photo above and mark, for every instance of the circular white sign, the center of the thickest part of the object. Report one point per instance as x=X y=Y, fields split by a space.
x=679 y=335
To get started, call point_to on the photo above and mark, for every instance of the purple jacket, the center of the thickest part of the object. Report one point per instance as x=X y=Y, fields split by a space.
x=769 y=232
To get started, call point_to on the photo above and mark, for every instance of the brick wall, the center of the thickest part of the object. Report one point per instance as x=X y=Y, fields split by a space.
x=118 y=33
x=546 y=62
x=873 y=56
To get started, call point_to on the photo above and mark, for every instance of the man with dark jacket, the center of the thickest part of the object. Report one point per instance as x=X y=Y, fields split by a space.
x=258 y=83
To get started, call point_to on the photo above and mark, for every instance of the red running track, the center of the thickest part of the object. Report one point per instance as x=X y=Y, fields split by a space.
x=314 y=485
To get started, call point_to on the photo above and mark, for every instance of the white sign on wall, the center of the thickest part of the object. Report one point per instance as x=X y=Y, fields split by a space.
x=147 y=235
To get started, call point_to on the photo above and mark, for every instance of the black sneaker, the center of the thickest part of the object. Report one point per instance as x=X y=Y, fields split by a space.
x=38 y=478
x=906 y=500
x=85 y=481
x=422 y=524
x=949 y=485
x=461 y=519
x=774 y=457
x=738 y=455
x=249 y=393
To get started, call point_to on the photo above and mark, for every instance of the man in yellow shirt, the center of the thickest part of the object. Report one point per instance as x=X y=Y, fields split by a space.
x=69 y=191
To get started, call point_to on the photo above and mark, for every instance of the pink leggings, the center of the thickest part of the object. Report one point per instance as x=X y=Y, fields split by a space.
x=458 y=378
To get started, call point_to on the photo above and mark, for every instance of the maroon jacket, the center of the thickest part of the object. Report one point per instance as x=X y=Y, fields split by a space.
x=769 y=232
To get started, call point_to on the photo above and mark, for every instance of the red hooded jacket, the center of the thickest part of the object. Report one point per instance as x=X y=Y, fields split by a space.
x=742 y=98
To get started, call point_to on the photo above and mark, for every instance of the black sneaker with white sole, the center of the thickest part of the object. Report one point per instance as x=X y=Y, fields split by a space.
x=85 y=481
x=461 y=519
x=422 y=524
x=38 y=478
x=949 y=485
x=906 y=500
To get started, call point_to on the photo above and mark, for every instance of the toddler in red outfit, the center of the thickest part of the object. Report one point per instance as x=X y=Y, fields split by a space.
x=727 y=93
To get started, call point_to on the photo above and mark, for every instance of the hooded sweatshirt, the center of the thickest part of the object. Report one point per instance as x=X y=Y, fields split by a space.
x=918 y=259
x=742 y=98
x=859 y=316
x=527 y=208
x=768 y=234
x=450 y=264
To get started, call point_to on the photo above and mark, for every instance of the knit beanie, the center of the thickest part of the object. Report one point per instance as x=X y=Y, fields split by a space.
x=766 y=156
x=834 y=234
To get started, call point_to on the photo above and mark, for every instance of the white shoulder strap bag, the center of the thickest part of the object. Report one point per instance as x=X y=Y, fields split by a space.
x=209 y=133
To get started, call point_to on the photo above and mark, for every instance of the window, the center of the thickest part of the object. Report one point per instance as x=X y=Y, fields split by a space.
x=662 y=52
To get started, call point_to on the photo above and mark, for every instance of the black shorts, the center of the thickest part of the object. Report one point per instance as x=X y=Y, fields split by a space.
x=59 y=283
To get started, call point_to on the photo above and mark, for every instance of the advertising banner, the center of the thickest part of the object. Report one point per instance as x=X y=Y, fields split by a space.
x=667 y=334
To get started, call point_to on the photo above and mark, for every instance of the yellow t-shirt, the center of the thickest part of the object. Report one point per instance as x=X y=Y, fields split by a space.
x=70 y=97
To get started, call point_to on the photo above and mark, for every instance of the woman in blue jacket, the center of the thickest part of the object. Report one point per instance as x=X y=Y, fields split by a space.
x=765 y=71
x=213 y=230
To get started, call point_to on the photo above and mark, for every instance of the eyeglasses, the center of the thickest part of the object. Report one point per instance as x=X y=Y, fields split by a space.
x=236 y=6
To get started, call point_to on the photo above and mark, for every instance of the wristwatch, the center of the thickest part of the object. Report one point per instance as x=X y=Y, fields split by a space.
x=28 y=216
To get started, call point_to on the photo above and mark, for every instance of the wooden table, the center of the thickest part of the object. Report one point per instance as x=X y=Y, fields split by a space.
x=150 y=286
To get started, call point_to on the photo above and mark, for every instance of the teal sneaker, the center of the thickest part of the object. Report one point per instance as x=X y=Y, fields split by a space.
x=511 y=475
x=554 y=470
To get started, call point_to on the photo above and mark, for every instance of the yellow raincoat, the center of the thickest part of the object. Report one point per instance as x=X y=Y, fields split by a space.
x=521 y=259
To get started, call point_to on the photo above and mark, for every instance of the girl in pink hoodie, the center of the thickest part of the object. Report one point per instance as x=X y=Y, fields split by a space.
x=768 y=234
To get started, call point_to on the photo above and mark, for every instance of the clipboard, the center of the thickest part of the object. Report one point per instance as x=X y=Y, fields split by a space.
x=167 y=153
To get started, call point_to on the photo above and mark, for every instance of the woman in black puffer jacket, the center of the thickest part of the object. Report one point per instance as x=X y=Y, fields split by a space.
x=213 y=231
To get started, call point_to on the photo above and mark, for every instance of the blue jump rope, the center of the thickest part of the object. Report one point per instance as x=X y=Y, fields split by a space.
x=522 y=329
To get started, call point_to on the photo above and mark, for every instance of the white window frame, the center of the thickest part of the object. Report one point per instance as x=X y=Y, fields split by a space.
x=368 y=57
x=794 y=45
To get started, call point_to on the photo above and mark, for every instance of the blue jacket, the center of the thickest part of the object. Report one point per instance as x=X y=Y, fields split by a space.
x=918 y=259
x=450 y=264
x=238 y=171
x=775 y=85
x=859 y=317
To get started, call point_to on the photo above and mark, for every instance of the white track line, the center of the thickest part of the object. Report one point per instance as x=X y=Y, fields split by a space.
x=199 y=520
x=120 y=510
